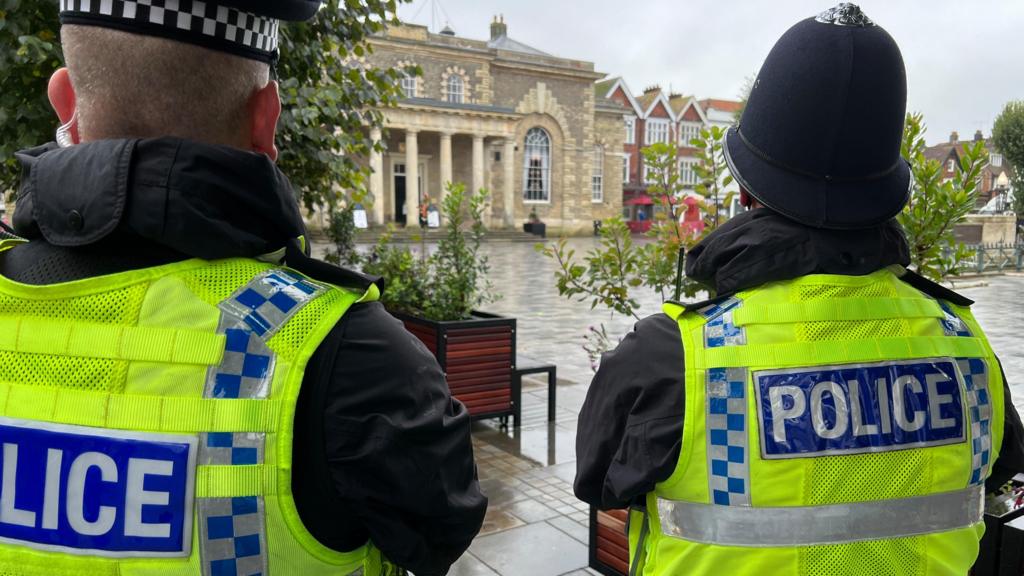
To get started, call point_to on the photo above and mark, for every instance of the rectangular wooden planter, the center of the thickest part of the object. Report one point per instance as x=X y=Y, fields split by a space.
x=477 y=357
x=609 y=545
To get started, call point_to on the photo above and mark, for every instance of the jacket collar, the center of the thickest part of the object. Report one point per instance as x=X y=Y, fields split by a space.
x=201 y=200
x=760 y=246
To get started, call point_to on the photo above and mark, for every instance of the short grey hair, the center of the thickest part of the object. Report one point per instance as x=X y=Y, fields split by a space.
x=133 y=86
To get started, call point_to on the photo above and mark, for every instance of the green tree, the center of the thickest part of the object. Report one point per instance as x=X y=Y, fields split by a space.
x=29 y=53
x=609 y=274
x=330 y=97
x=1008 y=133
x=936 y=205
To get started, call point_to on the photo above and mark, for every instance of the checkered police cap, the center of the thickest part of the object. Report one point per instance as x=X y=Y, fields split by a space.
x=246 y=28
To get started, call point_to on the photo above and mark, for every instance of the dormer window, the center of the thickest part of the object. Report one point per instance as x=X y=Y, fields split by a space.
x=996 y=160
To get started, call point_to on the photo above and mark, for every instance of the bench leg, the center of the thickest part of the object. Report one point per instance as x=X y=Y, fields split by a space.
x=552 y=393
x=517 y=400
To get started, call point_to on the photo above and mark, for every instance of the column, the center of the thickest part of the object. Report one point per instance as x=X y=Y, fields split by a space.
x=508 y=158
x=377 y=178
x=412 y=177
x=478 y=163
x=446 y=163
x=478 y=175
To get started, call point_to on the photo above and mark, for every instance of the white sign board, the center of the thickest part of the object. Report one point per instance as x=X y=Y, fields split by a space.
x=359 y=218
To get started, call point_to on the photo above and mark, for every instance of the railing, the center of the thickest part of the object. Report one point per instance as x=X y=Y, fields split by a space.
x=996 y=258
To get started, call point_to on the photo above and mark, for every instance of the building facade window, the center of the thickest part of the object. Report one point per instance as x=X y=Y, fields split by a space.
x=996 y=160
x=625 y=169
x=950 y=165
x=597 y=177
x=657 y=131
x=537 y=166
x=687 y=174
x=688 y=131
x=631 y=130
x=409 y=85
x=454 y=89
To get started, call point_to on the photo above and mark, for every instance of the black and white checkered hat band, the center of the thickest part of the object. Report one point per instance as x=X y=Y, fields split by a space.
x=195 y=21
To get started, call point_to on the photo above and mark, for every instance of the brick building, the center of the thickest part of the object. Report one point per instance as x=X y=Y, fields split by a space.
x=995 y=176
x=501 y=115
x=655 y=116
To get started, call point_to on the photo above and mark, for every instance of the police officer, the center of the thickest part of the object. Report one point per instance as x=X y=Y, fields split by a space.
x=185 y=390
x=829 y=412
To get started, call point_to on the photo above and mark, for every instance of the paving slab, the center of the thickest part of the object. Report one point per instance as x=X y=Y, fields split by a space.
x=533 y=550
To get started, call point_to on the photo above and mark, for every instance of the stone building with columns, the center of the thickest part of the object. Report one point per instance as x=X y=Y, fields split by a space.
x=500 y=115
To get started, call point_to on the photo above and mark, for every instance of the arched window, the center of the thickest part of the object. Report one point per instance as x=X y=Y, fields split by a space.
x=409 y=85
x=537 y=166
x=454 y=89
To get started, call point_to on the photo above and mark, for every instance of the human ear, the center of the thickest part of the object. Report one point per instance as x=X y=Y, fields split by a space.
x=62 y=98
x=264 y=111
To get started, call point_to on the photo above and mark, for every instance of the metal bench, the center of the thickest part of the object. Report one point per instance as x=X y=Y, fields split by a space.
x=525 y=365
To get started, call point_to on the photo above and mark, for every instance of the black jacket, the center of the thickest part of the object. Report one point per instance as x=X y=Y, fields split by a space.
x=381 y=449
x=631 y=425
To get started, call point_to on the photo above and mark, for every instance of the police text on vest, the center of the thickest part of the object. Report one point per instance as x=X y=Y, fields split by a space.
x=95 y=491
x=859 y=408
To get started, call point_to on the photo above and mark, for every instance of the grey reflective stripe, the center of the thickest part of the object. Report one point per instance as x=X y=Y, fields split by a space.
x=767 y=527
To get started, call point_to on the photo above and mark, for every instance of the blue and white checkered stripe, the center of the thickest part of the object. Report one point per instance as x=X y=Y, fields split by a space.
x=979 y=407
x=727 y=446
x=979 y=403
x=232 y=530
x=720 y=329
x=952 y=325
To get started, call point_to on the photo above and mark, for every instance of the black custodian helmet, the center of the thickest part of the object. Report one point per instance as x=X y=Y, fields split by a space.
x=819 y=140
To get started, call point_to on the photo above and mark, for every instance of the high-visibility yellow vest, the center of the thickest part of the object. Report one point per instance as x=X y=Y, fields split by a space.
x=834 y=425
x=146 y=422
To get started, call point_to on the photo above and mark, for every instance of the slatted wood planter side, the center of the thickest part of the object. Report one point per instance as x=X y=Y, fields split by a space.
x=609 y=545
x=477 y=357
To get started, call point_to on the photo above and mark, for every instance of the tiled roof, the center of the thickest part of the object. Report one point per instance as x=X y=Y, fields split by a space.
x=719 y=104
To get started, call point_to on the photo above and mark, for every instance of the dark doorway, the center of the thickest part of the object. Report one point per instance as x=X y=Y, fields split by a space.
x=400 y=194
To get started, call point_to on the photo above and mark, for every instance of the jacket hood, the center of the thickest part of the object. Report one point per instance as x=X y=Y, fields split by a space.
x=201 y=200
x=760 y=246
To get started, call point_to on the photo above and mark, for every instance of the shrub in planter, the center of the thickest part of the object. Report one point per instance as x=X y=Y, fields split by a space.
x=436 y=295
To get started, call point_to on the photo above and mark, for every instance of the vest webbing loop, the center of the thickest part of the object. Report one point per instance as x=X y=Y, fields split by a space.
x=839 y=352
x=229 y=481
x=172 y=414
x=131 y=343
x=837 y=310
x=788 y=526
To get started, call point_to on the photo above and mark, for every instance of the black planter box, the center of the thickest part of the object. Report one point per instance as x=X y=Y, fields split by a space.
x=536 y=228
x=477 y=357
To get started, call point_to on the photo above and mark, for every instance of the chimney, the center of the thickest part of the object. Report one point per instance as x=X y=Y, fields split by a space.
x=954 y=137
x=652 y=88
x=498 y=28
x=978 y=136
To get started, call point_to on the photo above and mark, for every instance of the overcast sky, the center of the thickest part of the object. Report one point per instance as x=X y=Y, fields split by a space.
x=965 y=58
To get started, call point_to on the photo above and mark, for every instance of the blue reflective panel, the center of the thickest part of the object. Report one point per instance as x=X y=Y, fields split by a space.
x=97 y=491
x=859 y=408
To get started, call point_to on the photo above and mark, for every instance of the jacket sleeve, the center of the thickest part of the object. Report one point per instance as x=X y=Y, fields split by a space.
x=398 y=446
x=1011 y=454
x=630 y=426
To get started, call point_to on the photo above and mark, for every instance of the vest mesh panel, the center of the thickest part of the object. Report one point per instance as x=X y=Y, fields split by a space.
x=886 y=475
x=119 y=307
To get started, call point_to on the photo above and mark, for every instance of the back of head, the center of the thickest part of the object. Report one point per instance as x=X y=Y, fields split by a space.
x=133 y=86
